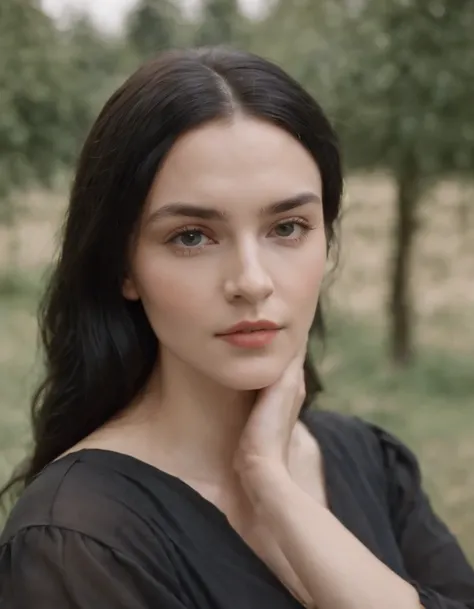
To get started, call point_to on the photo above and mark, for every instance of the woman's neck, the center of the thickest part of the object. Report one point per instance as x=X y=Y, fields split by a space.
x=189 y=422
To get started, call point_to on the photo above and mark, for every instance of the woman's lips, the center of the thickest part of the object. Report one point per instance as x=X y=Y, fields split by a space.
x=254 y=339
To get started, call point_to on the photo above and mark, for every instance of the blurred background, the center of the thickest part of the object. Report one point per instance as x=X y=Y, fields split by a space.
x=397 y=79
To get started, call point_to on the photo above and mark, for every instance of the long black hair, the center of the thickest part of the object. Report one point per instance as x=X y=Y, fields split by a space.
x=99 y=347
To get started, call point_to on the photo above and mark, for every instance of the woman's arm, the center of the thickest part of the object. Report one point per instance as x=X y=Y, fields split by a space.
x=338 y=571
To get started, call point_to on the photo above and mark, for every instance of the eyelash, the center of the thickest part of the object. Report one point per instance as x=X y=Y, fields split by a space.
x=189 y=250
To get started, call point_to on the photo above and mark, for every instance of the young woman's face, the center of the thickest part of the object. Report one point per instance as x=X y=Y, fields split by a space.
x=233 y=231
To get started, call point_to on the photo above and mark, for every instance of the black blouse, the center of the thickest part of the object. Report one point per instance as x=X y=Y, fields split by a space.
x=101 y=530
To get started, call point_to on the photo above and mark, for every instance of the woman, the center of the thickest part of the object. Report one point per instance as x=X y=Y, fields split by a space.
x=176 y=463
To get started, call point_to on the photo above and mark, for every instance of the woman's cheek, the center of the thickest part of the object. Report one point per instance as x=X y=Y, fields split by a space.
x=173 y=294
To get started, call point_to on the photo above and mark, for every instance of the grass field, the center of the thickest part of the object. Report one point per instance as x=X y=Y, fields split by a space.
x=430 y=406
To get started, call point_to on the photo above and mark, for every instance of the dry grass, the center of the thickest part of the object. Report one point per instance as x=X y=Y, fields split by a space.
x=443 y=268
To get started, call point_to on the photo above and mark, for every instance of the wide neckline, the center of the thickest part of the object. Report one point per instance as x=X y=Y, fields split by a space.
x=126 y=460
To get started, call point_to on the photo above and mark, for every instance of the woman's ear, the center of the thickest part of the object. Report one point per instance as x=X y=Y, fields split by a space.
x=129 y=290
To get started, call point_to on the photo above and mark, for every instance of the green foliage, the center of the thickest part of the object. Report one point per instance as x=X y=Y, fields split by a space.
x=221 y=22
x=154 y=26
x=299 y=35
x=14 y=285
x=396 y=75
x=51 y=85
x=404 y=103
x=33 y=111
x=96 y=65
x=409 y=85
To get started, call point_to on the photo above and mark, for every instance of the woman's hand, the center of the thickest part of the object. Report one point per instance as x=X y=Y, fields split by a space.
x=265 y=441
x=321 y=561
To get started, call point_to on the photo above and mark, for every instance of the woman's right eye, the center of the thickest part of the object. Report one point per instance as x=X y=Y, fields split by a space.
x=190 y=239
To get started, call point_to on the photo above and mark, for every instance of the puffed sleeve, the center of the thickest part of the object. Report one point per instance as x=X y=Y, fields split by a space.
x=45 y=566
x=433 y=558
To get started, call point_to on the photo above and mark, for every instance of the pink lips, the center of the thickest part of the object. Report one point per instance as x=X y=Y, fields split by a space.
x=251 y=335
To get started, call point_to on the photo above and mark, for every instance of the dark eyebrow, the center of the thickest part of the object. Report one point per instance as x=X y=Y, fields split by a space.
x=291 y=203
x=208 y=213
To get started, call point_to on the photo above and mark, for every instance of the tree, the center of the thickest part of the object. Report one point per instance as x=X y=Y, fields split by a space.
x=51 y=84
x=301 y=36
x=221 y=22
x=29 y=83
x=406 y=105
x=97 y=64
x=153 y=26
x=33 y=109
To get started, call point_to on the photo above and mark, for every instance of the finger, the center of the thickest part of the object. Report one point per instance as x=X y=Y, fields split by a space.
x=296 y=365
x=286 y=386
x=292 y=378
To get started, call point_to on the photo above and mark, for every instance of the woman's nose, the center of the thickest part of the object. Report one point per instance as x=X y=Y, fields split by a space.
x=250 y=281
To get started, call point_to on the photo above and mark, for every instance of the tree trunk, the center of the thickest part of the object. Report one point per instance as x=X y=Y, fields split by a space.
x=464 y=219
x=401 y=306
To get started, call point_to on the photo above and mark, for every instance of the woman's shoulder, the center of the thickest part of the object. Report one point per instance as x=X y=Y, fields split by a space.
x=77 y=537
x=341 y=428
x=94 y=493
x=356 y=443
x=372 y=461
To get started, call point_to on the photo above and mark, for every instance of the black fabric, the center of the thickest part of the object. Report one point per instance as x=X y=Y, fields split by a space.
x=97 y=529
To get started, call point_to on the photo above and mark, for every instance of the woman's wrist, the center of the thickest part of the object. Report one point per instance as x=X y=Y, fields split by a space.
x=268 y=484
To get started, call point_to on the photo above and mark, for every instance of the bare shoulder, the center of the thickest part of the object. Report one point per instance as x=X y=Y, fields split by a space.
x=125 y=434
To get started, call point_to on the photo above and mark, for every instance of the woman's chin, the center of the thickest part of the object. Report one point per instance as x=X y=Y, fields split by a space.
x=252 y=379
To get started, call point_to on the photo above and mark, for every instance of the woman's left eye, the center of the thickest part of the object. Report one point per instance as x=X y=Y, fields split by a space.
x=293 y=230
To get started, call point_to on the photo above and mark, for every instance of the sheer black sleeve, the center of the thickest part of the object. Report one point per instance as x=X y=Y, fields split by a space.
x=45 y=567
x=433 y=558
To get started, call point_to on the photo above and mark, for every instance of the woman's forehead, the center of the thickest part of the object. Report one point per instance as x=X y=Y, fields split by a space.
x=227 y=161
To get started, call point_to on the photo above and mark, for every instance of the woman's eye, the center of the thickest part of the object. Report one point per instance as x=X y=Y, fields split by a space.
x=190 y=238
x=288 y=229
